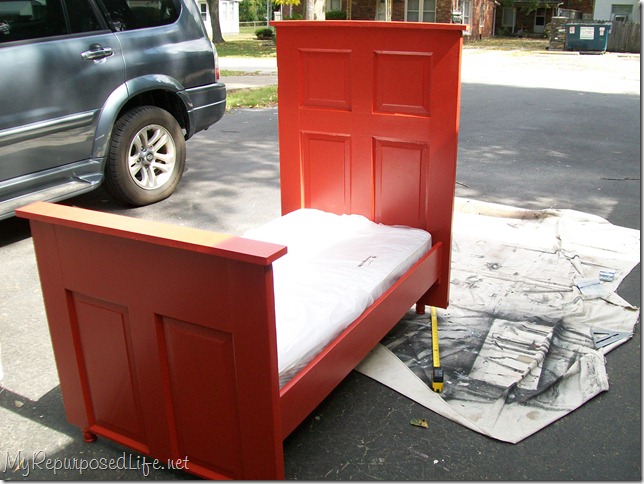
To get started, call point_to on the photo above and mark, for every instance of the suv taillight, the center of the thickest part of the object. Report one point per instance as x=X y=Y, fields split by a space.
x=216 y=62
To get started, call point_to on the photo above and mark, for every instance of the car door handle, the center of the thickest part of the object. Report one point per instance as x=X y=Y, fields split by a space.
x=97 y=52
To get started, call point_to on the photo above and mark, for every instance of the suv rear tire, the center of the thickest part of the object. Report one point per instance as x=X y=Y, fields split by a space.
x=147 y=156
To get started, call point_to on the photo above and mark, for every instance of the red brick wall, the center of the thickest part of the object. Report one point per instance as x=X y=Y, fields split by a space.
x=398 y=10
x=482 y=23
x=363 y=10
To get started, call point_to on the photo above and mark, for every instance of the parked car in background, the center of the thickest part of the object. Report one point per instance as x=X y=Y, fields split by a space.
x=101 y=91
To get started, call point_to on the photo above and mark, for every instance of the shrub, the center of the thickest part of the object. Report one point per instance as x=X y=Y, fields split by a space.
x=264 y=33
x=335 y=15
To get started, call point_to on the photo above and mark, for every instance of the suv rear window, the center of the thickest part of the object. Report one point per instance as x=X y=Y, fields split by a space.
x=33 y=19
x=137 y=14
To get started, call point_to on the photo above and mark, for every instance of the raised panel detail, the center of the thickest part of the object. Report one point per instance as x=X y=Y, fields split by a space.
x=202 y=394
x=108 y=370
x=325 y=79
x=400 y=178
x=326 y=161
x=402 y=82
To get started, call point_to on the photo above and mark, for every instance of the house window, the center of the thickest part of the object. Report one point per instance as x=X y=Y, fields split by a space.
x=620 y=13
x=539 y=20
x=204 y=11
x=466 y=10
x=333 y=5
x=225 y=12
x=420 y=11
x=508 y=17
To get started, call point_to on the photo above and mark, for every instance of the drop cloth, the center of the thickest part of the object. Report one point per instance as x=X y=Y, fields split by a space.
x=524 y=340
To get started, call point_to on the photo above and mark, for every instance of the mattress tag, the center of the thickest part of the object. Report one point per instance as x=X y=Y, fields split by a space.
x=368 y=260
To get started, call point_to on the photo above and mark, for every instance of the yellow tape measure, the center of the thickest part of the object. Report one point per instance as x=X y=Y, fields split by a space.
x=437 y=374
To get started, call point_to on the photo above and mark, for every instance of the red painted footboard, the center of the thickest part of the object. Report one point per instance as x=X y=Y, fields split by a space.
x=156 y=349
x=164 y=338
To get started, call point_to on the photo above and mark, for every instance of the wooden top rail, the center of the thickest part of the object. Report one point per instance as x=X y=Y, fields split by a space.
x=354 y=24
x=196 y=240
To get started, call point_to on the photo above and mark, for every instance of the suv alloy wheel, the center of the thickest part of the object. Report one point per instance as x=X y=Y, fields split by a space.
x=147 y=156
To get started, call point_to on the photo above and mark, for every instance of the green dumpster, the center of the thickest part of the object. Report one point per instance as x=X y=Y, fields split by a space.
x=586 y=37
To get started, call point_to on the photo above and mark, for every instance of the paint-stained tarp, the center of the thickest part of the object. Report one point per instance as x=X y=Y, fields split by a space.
x=533 y=311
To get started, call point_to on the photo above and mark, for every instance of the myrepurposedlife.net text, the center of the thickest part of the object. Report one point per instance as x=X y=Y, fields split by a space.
x=28 y=463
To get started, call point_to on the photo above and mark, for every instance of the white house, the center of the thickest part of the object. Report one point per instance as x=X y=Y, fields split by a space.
x=617 y=10
x=228 y=16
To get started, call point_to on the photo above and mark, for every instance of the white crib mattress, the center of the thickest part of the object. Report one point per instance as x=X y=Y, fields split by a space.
x=336 y=267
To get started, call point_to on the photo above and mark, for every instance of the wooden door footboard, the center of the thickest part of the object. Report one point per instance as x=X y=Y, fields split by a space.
x=164 y=338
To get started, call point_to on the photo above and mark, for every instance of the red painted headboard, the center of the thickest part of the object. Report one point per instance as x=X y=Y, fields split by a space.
x=369 y=123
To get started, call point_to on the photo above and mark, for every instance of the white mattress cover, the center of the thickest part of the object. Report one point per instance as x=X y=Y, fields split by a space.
x=336 y=267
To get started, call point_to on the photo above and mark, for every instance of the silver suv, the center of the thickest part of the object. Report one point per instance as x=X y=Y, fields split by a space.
x=101 y=91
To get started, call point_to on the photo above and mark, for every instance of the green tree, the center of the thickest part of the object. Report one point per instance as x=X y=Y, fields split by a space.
x=252 y=10
x=247 y=11
x=287 y=2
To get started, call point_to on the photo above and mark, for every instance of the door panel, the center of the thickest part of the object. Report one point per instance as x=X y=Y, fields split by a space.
x=387 y=106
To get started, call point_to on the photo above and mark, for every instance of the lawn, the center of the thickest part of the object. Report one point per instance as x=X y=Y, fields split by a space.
x=262 y=97
x=245 y=44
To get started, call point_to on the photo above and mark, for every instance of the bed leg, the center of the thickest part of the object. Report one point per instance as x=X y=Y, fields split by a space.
x=420 y=308
x=89 y=436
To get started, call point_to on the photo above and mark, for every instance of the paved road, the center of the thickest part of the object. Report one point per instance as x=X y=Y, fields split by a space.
x=537 y=131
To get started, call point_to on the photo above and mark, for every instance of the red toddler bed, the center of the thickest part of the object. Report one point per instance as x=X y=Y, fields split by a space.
x=178 y=360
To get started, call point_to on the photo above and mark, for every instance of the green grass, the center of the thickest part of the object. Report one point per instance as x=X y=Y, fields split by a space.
x=246 y=48
x=261 y=97
x=228 y=73
x=245 y=44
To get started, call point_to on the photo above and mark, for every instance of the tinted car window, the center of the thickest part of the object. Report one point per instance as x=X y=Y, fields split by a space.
x=24 y=19
x=81 y=16
x=33 y=19
x=134 y=14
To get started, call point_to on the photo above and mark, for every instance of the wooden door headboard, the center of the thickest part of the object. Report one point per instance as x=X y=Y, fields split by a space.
x=368 y=122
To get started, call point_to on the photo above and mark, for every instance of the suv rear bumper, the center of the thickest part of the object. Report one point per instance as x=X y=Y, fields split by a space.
x=207 y=105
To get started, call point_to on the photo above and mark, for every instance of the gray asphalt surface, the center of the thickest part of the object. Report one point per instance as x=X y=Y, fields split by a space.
x=537 y=131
